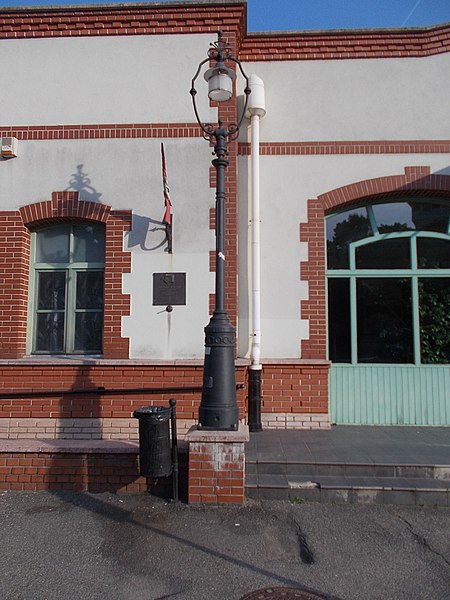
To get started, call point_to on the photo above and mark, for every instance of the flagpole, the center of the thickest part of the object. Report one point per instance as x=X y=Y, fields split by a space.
x=168 y=216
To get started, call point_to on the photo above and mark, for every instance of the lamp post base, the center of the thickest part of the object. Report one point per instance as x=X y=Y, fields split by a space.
x=216 y=466
x=218 y=408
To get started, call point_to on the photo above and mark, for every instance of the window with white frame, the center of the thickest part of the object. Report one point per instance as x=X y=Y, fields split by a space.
x=67 y=289
x=388 y=277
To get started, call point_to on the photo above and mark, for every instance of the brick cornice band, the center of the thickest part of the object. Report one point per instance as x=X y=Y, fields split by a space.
x=96 y=131
x=349 y=147
x=230 y=16
x=139 y=19
x=101 y=131
x=346 y=44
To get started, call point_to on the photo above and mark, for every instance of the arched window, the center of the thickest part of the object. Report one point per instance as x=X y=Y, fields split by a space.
x=67 y=291
x=388 y=275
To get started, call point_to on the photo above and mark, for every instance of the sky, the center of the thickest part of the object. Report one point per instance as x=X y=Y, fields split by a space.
x=284 y=15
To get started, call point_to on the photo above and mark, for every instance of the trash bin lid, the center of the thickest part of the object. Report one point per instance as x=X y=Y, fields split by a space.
x=151 y=410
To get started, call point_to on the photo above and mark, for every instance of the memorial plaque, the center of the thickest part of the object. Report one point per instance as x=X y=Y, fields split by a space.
x=169 y=289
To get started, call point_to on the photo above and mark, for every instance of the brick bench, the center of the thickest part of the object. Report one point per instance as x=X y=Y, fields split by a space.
x=78 y=465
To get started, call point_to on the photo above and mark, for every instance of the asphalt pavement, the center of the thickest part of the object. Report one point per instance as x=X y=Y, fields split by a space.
x=137 y=547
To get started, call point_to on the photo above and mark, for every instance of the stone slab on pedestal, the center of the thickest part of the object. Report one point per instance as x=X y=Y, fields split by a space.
x=216 y=466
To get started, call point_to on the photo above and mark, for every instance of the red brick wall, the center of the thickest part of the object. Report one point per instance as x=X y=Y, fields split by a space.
x=216 y=473
x=21 y=377
x=313 y=271
x=228 y=114
x=287 y=387
x=295 y=388
x=14 y=274
x=117 y=304
x=82 y=472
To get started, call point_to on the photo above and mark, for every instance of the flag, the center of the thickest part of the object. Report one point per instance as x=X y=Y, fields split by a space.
x=168 y=216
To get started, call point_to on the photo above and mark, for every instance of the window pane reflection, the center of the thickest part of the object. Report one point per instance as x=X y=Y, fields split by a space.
x=408 y=216
x=89 y=290
x=434 y=310
x=339 y=320
x=396 y=216
x=89 y=244
x=52 y=245
x=51 y=290
x=342 y=229
x=433 y=253
x=88 y=332
x=431 y=217
x=384 y=320
x=50 y=332
x=386 y=254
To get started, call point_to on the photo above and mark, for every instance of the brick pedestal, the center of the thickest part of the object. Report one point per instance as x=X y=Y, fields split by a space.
x=216 y=466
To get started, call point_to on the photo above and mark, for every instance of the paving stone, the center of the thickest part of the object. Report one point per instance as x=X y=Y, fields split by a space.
x=334 y=495
x=272 y=480
x=308 y=495
x=271 y=468
x=251 y=468
x=368 y=496
x=251 y=480
x=431 y=498
x=300 y=469
x=397 y=465
x=403 y=497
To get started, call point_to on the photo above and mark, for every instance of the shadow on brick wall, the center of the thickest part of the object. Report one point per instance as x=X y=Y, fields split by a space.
x=89 y=468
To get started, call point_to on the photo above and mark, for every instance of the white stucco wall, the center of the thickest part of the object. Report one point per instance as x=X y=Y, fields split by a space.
x=287 y=183
x=339 y=100
x=143 y=79
x=364 y=99
x=155 y=333
x=281 y=253
x=120 y=79
x=116 y=79
x=126 y=174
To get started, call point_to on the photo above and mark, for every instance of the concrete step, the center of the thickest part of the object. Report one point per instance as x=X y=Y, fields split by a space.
x=398 y=484
x=349 y=469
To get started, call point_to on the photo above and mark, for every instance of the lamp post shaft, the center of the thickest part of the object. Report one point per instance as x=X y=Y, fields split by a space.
x=218 y=408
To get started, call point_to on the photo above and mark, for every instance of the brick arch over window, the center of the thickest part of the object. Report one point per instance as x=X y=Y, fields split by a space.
x=417 y=181
x=16 y=227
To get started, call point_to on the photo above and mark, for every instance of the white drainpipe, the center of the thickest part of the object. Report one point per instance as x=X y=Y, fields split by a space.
x=256 y=109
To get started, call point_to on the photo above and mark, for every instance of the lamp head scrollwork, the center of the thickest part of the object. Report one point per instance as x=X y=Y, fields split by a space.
x=220 y=78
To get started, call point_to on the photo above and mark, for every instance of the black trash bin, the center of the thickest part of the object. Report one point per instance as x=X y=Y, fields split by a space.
x=155 y=452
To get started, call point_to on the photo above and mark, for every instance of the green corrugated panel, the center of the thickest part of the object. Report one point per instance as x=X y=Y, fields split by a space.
x=390 y=394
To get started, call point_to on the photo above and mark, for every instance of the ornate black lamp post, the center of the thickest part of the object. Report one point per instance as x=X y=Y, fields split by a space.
x=218 y=408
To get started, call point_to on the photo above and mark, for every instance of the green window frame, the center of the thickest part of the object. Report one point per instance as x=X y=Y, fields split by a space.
x=67 y=289
x=389 y=285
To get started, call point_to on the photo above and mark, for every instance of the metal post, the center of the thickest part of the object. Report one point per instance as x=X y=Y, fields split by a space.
x=218 y=408
x=173 y=423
